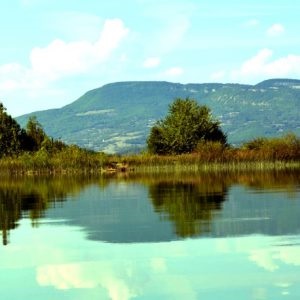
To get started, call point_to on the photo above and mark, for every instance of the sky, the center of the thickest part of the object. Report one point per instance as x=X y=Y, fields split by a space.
x=53 y=51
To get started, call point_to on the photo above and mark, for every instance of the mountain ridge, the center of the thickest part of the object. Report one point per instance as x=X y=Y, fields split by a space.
x=117 y=117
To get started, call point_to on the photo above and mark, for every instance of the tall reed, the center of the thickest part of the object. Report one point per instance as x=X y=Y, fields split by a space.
x=259 y=154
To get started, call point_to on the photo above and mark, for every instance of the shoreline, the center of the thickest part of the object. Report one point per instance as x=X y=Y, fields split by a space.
x=159 y=168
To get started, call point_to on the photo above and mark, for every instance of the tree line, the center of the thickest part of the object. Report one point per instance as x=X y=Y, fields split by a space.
x=15 y=140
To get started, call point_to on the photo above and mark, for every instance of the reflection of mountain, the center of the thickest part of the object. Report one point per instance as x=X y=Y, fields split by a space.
x=258 y=211
x=120 y=213
x=163 y=208
x=158 y=208
x=189 y=206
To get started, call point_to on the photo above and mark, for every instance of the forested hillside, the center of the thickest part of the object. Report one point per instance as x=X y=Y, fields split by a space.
x=118 y=116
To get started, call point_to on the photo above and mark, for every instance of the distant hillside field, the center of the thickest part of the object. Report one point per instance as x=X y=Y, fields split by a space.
x=118 y=116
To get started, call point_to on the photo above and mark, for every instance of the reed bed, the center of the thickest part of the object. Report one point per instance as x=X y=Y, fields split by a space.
x=99 y=164
x=193 y=165
x=260 y=154
x=69 y=161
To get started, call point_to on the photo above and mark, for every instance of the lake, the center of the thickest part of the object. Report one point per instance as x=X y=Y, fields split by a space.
x=172 y=236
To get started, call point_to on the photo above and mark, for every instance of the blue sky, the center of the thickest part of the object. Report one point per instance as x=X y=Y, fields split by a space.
x=53 y=51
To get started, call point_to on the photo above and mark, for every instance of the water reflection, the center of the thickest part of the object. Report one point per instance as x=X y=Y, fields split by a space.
x=87 y=240
x=31 y=197
x=152 y=208
x=248 y=267
x=190 y=206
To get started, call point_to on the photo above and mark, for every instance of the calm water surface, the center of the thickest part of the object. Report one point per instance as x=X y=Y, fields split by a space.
x=221 y=236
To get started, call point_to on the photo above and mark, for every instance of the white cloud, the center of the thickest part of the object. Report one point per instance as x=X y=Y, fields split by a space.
x=263 y=258
x=86 y=275
x=290 y=255
x=261 y=65
x=60 y=58
x=256 y=64
x=271 y=259
x=14 y=76
x=63 y=277
x=151 y=62
x=8 y=74
x=275 y=30
x=173 y=72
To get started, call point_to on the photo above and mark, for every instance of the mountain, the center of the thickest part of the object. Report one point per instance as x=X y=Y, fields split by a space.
x=118 y=116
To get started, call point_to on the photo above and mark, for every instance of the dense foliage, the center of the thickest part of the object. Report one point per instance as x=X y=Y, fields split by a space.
x=281 y=148
x=31 y=150
x=12 y=137
x=187 y=124
x=35 y=134
x=15 y=140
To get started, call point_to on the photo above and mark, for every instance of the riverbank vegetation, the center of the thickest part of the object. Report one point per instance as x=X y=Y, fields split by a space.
x=174 y=145
x=276 y=153
x=190 y=139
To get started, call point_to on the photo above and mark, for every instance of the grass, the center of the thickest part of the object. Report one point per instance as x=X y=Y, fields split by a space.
x=71 y=160
x=259 y=154
x=192 y=163
x=99 y=163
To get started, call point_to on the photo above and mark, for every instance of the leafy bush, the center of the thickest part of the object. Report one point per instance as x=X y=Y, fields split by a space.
x=184 y=127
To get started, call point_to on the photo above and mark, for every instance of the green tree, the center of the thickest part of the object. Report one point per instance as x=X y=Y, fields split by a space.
x=35 y=133
x=186 y=124
x=11 y=134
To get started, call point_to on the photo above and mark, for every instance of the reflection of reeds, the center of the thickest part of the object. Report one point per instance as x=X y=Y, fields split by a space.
x=213 y=181
x=180 y=167
x=33 y=195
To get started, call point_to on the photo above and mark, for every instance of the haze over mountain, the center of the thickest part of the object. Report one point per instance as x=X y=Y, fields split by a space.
x=118 y=116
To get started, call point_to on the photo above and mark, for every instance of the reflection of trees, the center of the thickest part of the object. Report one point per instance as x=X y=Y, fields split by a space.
x=10 y=212
x=191 y=201
x=30 y=197
x=190 y=206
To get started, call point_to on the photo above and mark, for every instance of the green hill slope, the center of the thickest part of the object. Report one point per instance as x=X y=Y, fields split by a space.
x=117 y=117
